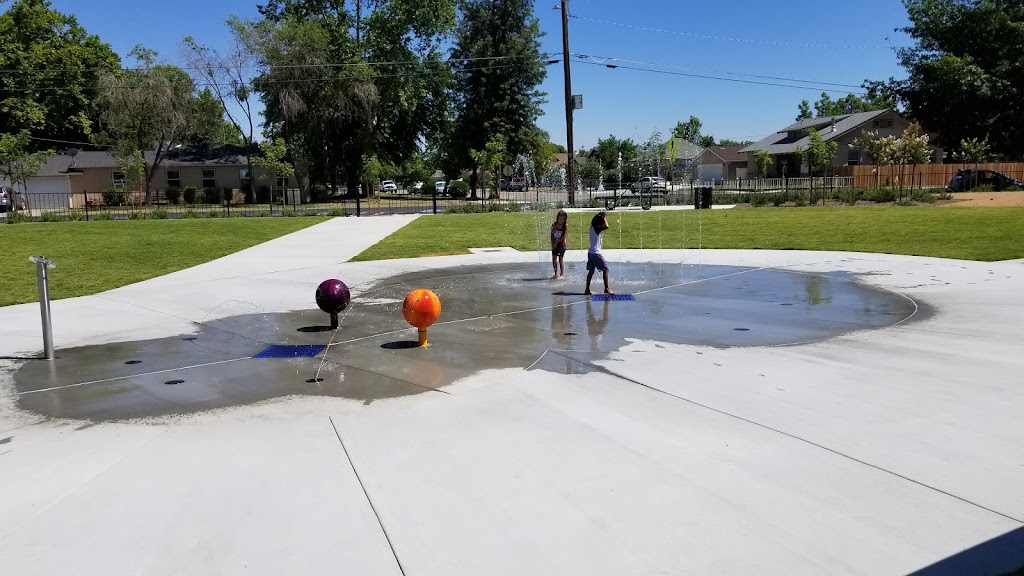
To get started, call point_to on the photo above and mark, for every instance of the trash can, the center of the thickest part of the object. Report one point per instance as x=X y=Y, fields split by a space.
x=702 y=197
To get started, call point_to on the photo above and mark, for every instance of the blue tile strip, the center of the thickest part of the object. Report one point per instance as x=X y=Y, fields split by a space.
x=291 y=351
x=611 y=297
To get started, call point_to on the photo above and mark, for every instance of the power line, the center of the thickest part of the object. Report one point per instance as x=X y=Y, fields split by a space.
x=733 y=39
x=251 y=84
x=262 y=67
x=706 y=77
x=605 y=59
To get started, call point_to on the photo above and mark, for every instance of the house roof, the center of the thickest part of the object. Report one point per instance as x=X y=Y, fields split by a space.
x=783 y=142
x=222 y=155
x=725 y=154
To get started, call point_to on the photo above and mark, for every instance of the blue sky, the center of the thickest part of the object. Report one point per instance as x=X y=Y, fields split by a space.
x=817 y=40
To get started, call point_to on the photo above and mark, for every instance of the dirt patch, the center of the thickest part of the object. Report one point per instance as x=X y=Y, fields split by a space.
x=986 y=199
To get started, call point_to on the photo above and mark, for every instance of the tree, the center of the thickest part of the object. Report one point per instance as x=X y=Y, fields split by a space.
x=912 y=150
x=804 y=111
x=878 y=97
x=689 y=130
x=414 y=170
x=272 y=163
x=972 y=151
x=333 y=107
x=762 y=160
x=965 y=76
x=730 y=142
x=493 y=155
x=150 y=108
x=608 y=151
x=18 y=163
x=497 y=98
x=653 y=152
x=591 y=170
x=228 y=76
x=819 y=153
x=881 y=151
x=49 y=68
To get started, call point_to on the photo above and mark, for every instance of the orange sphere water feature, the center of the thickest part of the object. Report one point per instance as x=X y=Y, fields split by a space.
x=421 y=309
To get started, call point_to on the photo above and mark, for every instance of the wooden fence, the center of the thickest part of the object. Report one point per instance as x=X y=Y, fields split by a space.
x=923 y=176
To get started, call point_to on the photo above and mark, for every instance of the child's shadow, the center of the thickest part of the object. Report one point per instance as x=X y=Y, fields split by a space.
x=568 y=294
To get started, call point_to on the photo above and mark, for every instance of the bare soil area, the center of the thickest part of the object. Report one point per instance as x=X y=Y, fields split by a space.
x=986 y=199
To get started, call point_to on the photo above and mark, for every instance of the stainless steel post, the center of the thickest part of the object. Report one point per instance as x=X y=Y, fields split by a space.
x=42 y=265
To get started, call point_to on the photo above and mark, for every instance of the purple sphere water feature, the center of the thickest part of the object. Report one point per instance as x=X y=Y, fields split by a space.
x=332 y=296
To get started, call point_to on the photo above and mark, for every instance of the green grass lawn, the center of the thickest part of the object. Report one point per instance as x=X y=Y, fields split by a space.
x=95 y=256
x=964 y=233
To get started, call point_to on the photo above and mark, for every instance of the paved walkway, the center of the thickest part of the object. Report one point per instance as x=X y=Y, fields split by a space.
x=878 y=452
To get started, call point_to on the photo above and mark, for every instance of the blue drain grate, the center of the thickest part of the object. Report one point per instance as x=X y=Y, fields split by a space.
x=611 y=297
x=290 y=351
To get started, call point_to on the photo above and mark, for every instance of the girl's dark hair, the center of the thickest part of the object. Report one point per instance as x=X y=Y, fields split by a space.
x=562 y=213
x=598 y=221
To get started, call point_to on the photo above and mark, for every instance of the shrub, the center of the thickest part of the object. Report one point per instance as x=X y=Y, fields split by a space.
x=594 y=203
x=561 y=205
x=458 y=189
x=190 y=193
x=103 y=215
x=905 y=203
x=494 y=207
x=173 y=194
x=923 y=196
x=211 y=195
x=541 y=207
x=799 y=201
x=136 y=215
x=514 y=206
x=51 y=217
x=289 y=213
x=983 y=188
x=759 y=200
x=113 y=197
x=850 y=196
x=213 y=214
x=262 y=214
x=263 y=193
x=311 y=212
x=337 y=211
x=943 y=195
x=75 y=216
x=188 y=213
x=319 y=193
x=881 y=195
x=779 y=198
x=17 y=218
x=228 y=194
x=1013 y=188
x=160 y=214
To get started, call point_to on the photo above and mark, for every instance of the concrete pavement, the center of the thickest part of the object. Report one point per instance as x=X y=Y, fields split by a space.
x=882 y=450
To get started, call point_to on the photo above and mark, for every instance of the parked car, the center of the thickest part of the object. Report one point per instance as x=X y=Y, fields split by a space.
x=439 y=187
x=649 y=184
x=11 y=200
x=516 y=183
x=967 y=179
x=388 y=186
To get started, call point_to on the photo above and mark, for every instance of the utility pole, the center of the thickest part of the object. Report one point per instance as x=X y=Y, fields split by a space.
x=571 y=168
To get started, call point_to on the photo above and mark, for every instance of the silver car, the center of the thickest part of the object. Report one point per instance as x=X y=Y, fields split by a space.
x=11 y=200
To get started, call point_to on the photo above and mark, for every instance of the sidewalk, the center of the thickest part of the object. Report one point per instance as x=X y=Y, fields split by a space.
x=219 y=287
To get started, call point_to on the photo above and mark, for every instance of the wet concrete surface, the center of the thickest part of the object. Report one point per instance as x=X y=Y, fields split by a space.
x=493 y=317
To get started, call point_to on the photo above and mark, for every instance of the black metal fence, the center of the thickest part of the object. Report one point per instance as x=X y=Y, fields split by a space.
x=50 y=207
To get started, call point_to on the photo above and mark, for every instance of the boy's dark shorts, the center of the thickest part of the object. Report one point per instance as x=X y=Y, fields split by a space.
x=596 y=261
x=558 y=251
